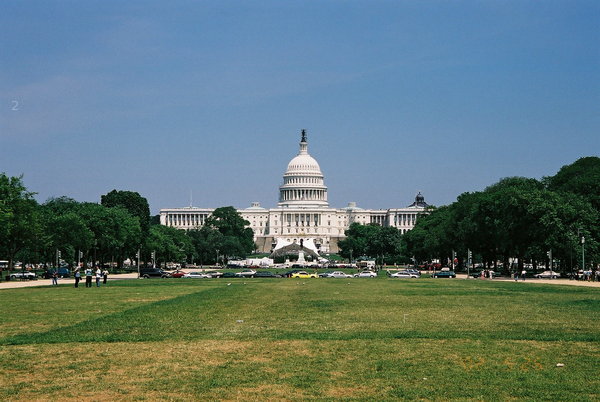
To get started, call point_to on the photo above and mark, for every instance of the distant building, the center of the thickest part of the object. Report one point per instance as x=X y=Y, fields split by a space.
x=303 y=215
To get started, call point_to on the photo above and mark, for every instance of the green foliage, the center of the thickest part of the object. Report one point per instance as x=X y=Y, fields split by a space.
x=516 y=217
x=581 y=177
x=132 y=202
x=383 y=243
x=170 y=244
x=238 y=238
x=19 y=218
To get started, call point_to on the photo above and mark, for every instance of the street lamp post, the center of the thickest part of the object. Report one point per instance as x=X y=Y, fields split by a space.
x=583 y=252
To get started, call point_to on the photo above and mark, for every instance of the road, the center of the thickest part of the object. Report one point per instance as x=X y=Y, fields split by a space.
x=114 y=277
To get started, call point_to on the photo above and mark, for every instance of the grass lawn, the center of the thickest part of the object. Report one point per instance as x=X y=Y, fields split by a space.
x=363 y=339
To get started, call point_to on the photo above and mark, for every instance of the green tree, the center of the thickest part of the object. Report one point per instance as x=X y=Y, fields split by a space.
x=382 y=243
x=206 y=241
x=19 y=217
x=581 y=177
x=238 y=237
x=170 y=244
x=133 y=202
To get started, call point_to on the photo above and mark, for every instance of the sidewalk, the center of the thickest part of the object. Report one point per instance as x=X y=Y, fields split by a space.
x=61 y=281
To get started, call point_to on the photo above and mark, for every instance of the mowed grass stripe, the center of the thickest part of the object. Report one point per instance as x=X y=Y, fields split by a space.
x=337 y=310
x=299 y=370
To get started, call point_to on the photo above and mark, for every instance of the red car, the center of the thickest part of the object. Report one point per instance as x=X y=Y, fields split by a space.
x=178 y=274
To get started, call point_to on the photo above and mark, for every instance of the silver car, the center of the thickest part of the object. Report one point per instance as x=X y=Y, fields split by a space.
x=338 y=274
x=366 y=274
x=404 y=274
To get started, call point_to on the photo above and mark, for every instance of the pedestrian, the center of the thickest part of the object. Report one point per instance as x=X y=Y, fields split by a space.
x=55 y=277
x=523 y=272
x=98 y=277
x=516 y=275
x=88 y=277
x=77 y=277
x=104 y=275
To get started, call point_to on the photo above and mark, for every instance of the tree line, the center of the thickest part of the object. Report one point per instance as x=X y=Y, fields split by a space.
x=516 y=220
x=116 y=229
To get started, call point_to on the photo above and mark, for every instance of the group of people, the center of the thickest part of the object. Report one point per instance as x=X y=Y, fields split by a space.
x=101 y=276
x=523 y=275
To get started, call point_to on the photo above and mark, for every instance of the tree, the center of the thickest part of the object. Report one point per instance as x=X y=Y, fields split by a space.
x=133 y=202
x=170 y=244
x=205 y=242
x=238 y=237
x=19 y=217
x=116 y=232
x=581 y=177
x=382 y=243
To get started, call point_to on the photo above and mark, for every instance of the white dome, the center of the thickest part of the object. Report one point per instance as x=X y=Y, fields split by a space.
x=303 y=181
x=303 y=163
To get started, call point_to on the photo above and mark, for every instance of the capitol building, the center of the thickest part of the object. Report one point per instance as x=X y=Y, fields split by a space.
x=303 y=215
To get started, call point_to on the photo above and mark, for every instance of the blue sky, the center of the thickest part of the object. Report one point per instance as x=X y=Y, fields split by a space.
x=209 y=97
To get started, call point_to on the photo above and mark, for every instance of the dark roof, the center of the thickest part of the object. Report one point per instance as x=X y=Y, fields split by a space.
x=419 y=201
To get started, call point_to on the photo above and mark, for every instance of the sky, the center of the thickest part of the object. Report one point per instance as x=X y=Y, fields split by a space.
x=204 y=101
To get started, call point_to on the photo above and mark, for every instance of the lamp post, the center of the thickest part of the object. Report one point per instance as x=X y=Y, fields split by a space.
x=583 y=252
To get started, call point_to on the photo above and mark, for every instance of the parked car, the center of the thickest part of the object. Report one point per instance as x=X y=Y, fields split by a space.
x=23 y=275
x=366 y=274
x=249 y=273
x=304 y=274
x=444 y=274
x=62 y=273
x=196 y=275
x=403 y=274
x=339 y=274
x=214 y=274
x=153 y=273
x=266 y=274
x=289 y=274
x=478 y=274
x=547 y=275
x=325 y=274
x=229 y=275
x=178 y=274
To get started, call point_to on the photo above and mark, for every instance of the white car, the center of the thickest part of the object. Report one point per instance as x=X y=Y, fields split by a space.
x=338 y=274
x=547 y=274
x=199 y=275
x=366 y=274
x=404 y=274
x=23 y=275
x=248 y=273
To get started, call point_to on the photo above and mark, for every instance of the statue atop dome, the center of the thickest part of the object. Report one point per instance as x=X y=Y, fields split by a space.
x=303 y=136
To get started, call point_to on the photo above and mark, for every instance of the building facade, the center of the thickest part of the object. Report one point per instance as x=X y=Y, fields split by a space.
x=303 y=214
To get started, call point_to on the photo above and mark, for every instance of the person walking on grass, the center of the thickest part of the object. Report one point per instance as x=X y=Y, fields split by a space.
x=104 y=276
x=77 y=277
x=523 y=273
x=88 y=277
x=55 y=277
x=98 y=277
